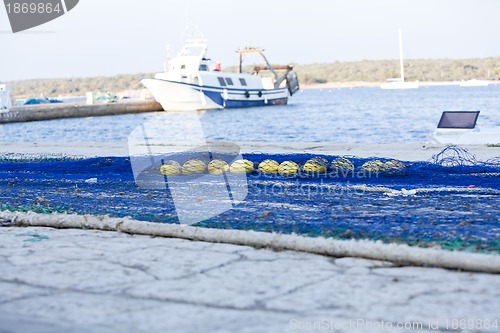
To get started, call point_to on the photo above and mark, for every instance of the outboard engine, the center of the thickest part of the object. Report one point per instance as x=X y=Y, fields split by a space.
x=292 y=82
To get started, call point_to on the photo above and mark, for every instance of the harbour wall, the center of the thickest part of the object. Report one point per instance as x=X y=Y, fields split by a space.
x=28 y=113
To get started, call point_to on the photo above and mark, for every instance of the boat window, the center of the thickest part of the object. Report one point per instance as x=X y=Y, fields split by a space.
x=229 y=81
x=203 y=68
x=243 y=82
x=221 y=81
x=183 y=67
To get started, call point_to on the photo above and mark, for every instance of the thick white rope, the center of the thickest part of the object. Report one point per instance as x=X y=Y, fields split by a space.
x=400 y=254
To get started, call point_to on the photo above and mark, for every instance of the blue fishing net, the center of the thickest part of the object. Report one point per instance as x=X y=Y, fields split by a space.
x=451 y=201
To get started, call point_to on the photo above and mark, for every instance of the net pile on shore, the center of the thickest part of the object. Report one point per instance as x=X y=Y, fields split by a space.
x=450 y=201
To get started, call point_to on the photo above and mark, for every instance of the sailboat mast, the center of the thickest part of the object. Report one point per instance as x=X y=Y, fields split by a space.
x=401 y=56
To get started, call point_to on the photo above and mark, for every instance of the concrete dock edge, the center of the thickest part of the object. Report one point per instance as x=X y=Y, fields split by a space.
x=76 y=110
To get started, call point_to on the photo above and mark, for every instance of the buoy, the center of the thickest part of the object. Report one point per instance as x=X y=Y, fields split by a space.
x=288 y=168
x=171 y=168
x=394 y=167
x=316 y=165
x=269 y=167
x=373 y=166
x=193 y=167
x=242 y=166
x=218 y=167
x=342 y=165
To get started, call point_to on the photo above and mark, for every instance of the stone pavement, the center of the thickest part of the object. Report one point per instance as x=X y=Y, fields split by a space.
x=95 y=281
x=399 y=151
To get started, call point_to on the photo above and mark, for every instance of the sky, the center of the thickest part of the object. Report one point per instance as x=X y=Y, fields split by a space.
x=108 y=37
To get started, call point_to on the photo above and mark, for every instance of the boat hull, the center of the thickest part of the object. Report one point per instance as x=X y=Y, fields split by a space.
x=178 y=96
x=399 y=85
x=474 y=83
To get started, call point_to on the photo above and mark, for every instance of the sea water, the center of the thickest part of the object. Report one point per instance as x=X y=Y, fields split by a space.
x=345 y=115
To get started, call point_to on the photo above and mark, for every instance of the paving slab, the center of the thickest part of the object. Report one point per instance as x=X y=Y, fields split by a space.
x=401 y=151
x=95 y=281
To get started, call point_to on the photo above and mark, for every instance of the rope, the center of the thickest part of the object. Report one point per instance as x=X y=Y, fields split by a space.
x=456 y=156
x=400 y=254
x=387 y=190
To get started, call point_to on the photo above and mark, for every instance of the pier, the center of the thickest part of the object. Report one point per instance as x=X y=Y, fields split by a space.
x=28 y=113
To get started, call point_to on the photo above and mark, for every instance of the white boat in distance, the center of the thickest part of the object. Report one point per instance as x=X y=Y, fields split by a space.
x=399 y=83
x=191 y=84
x=474 y=83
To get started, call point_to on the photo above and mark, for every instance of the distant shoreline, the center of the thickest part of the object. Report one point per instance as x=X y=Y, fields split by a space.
x=363 y=84
x=303 y=86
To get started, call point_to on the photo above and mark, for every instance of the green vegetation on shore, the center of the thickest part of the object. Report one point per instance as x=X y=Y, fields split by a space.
x=430 y=70
x=76 y=86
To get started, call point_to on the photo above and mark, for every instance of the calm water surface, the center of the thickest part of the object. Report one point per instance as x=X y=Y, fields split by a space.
x=357 y=115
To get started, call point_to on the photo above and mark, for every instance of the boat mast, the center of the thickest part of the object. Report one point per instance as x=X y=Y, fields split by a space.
x=401 y=56
x=241 y=62
x=250 y=50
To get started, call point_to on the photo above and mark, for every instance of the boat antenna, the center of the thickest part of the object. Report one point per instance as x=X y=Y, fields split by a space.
x=192 y=31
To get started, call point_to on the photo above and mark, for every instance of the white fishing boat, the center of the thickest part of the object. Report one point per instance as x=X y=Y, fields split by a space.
x=400 y=83
x=460 y=127
x=192 y=84
x=474 y=83
x=5 y=99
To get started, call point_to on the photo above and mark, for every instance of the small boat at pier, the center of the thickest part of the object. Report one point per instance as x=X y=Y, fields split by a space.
x=192 y=83
x=5 y=99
